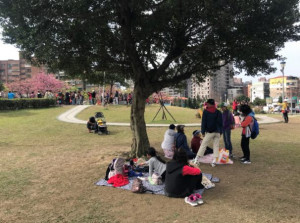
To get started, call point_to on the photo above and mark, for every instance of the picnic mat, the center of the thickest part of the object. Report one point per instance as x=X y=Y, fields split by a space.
x=157 y=189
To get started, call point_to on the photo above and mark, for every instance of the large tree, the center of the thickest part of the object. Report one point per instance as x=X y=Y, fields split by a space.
x=157 y=43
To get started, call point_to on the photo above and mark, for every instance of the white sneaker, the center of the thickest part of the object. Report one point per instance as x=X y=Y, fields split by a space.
x=213 y=164
x=246 y=162
x=191 y=200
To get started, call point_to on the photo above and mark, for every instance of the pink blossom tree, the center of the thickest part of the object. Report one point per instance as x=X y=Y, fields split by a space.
x=40 y=82
x=43 y=82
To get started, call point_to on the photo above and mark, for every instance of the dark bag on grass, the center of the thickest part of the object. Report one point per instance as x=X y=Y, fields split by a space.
x=138 y=187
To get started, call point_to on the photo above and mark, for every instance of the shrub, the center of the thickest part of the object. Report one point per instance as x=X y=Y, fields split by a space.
x=23 y=103
x=259 y=110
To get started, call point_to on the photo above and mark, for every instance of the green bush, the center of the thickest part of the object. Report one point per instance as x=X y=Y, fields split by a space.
x=16 y=104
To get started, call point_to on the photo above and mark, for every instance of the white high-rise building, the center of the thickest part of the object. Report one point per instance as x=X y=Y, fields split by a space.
x=260 y=90
x=172 y=92
x=213 y=87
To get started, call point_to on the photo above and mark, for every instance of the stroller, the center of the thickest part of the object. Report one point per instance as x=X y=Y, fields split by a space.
x=101 y=122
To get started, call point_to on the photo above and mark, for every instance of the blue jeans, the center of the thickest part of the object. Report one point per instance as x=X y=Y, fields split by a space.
x=227 y=139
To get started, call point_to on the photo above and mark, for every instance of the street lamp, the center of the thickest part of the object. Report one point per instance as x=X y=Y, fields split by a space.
x=282 y=64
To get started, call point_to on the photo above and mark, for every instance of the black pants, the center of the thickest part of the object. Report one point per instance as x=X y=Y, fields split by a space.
x=285 y=116
x=195 y=183
x=245 y=147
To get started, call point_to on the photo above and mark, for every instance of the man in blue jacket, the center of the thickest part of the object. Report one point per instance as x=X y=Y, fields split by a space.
x=211 y=129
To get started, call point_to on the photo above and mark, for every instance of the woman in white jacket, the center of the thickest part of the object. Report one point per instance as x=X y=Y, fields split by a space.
x=168 y=145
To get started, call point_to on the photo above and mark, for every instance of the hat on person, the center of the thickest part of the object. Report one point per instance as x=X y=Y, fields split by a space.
x=210 y=101
x=196 y=132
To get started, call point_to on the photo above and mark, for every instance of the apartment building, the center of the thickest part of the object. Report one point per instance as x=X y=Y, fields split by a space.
x=290 y=83
x=260 y=90
x=16 y=70
x=214 y=86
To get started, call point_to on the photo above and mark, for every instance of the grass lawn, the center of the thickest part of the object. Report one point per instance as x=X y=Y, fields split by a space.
x=48 y=171
x=121 y=113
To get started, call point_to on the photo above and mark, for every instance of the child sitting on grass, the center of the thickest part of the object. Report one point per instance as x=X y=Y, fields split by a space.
x=196 y=143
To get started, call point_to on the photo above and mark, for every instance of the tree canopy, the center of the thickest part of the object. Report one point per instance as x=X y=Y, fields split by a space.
x=156 y=43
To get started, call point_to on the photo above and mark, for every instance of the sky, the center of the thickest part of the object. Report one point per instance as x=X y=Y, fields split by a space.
x=291 y=52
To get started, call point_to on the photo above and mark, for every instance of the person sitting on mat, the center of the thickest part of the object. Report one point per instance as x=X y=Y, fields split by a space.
x=156 y=164
x=196 y=143
x=168 y=145
x=181 y=141
x=182 y=178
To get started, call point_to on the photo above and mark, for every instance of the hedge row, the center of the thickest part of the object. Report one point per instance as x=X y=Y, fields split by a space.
x=15 y=104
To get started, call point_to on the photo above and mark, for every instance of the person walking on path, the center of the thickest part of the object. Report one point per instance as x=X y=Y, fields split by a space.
x=228 y=124
x=211 y=129
x=247 y=125
x=285 y=110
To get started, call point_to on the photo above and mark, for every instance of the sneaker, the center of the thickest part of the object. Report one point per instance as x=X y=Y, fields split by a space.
x=213 y=164
x=231 y=156
x=242 y=158
x=199 y=198
x=192 y=200
x=246 y=162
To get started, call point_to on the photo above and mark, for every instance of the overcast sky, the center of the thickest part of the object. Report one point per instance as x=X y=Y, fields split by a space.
x=291 y=52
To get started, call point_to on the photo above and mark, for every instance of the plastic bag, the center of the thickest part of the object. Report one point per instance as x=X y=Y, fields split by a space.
x=223 y=156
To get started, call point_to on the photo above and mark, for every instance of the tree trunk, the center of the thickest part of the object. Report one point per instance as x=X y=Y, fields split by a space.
x=111 y=87
x=140 y=141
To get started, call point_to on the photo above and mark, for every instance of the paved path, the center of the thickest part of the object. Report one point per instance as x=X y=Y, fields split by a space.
x=69 y=116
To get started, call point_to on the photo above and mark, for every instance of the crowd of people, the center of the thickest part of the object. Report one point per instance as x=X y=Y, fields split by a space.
x=76 y=97
x=182 y=174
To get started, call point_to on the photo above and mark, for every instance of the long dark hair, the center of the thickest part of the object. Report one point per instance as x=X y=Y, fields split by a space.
x=152 y=152
x=180 y=156
x=245 y=109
